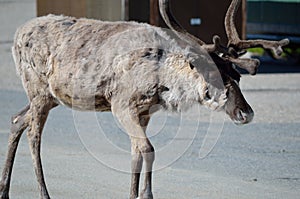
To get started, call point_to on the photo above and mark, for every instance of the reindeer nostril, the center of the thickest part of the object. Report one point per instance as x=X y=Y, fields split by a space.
x=241 y=116
x=207 y=95
x=244 y=117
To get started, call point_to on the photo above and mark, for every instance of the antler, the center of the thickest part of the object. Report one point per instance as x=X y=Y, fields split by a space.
x=235 y=45
x=165 y=11
x=229 y=54
x=238 y=44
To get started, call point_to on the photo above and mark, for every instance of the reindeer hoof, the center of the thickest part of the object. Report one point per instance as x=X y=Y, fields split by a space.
x=4 y=196
x=3 y=192
x=146 y=195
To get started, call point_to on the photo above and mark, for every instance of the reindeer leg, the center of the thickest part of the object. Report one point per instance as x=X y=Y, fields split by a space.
x=136 y=168
x=149 y=156
x=18 y=124
x=137 y=160
x=40 y=109
x=142 y=150
x=135 y=125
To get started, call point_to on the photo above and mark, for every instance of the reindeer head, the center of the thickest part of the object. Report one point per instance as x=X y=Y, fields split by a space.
x=227 y=58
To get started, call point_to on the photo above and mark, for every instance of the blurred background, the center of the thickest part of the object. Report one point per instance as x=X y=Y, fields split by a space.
x=267 y=19
x=256 y=19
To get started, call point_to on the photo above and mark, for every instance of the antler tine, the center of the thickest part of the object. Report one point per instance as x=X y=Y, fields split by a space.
x=238 y=44
x=232 y=34
x=250 y=65
x=165 y=11
x=274 y=46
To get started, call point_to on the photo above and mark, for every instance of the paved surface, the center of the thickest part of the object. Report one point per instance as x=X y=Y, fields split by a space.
x=259 y=160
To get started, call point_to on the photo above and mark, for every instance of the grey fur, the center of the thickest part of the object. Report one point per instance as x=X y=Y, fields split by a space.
x=127 y=68
x=90 y=65
x=77 y=57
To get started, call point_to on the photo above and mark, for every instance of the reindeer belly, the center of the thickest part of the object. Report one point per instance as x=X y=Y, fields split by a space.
x=91 y=102
x=79 y=93
x=82 y=103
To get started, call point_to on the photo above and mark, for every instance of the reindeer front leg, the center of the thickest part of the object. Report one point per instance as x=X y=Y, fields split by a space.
x=136 y=168
x=141 y=150
x=135 y=125
x=148 y=154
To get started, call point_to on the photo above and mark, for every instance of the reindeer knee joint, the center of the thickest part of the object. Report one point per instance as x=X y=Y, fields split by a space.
x=148 y=152
x=147 y=148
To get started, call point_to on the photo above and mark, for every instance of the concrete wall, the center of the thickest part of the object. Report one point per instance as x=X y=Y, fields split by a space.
x=110 y=10
x=13 y=13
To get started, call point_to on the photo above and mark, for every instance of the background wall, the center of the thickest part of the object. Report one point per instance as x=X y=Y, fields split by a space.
x=99 y=9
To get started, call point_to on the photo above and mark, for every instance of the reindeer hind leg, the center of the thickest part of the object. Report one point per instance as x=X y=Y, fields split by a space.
x=19 y=123
x=40 y=109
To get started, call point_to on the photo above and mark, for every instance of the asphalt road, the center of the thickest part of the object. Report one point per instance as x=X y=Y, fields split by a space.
x=86 y=155
x=259 y=160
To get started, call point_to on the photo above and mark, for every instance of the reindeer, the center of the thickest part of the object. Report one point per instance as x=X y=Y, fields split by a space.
x=126 y=68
